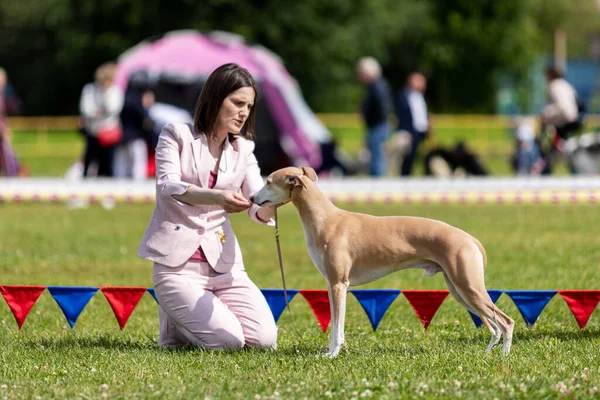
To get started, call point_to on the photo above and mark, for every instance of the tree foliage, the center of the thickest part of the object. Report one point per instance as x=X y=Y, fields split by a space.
x=52 y=47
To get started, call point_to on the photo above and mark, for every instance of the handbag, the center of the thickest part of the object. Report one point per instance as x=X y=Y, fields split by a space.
x=110 y=135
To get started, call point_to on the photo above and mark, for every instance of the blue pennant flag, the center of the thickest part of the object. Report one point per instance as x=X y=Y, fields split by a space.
x=151 y=291
x=494 y=295
x=375 y=302
x=276 y=300
x=531 y=302
x=72 y=300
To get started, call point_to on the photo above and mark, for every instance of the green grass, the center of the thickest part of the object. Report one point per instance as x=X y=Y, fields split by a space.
x=51 y=154
x=493 y=145
x=529 y=247
x=48 y=154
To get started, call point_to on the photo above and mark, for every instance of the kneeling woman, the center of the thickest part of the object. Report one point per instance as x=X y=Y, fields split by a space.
x=205 y=172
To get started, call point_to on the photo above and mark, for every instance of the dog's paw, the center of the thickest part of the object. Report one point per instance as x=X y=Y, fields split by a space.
x=332 y=353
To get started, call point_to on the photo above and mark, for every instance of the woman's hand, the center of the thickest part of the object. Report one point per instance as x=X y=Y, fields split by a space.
x=233 y=202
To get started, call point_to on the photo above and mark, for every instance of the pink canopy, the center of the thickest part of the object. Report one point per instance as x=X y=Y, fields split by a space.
x=194 y=54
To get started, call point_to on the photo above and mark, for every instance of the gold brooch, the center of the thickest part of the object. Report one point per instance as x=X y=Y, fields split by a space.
x=221 y=236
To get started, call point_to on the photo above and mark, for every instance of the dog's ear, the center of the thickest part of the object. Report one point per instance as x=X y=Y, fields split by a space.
x=308 y=171
x=295 y=180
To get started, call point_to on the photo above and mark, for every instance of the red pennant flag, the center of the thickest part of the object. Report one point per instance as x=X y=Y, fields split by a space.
x=122 y=300
x=21 y=299
x=318 y=300
x=425 y=303
x=581 y=303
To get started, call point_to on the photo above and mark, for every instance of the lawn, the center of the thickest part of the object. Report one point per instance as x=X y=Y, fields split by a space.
x=52 y=153
x=529 y=247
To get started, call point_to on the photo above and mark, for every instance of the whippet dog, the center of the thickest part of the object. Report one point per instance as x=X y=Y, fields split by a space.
x=353 y=249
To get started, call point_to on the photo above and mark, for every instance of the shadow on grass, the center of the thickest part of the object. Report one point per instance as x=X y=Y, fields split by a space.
x=532 y=335
x=304 y=350
x=104 y=342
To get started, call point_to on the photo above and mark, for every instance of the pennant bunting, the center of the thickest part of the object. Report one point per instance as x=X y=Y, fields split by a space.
x=72 y=300
x=20 y=300
x=276 y=300
x=530 y=302
x=318 y=300
x=582 y=303
x=425 y=303
x=153 y=294
x=375 y=303
x=494 y=295
x=122 y=300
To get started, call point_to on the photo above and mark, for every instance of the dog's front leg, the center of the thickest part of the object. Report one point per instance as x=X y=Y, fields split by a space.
x=337 y=300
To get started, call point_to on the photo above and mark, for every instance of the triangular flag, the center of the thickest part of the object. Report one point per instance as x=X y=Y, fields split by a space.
x=72 y=300
x=530 y=302
x=318 y=300
x=122 y=300
x=375 y=303
x=425 y=303
x=276 y=300
x=151 y=291
x=20 y=300
x=494 y=295
x=581 y=303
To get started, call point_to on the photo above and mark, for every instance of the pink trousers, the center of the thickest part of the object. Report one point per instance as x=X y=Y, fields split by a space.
x=218 y=311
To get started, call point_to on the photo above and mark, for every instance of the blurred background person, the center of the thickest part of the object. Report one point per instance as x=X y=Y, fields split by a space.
x=375 y=110
x=100 y=106
x=413 y=117
x=527 y=158
x=131 y=154
x=561 y=112
x=9 y=104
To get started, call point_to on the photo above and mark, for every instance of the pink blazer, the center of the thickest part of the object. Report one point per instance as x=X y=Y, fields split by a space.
x=177 y=229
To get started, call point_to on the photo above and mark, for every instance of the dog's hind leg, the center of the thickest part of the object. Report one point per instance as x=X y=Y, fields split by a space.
x=496 y=333
x=467 y=276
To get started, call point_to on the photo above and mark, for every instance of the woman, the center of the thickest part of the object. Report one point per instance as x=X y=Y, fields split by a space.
x=206 y=298
x=100 y=105
x=9 y=164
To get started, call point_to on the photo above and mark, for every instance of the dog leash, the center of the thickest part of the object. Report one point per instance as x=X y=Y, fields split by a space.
x=287 y=303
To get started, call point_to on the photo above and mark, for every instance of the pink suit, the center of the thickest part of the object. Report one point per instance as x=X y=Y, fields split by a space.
x=212 y=304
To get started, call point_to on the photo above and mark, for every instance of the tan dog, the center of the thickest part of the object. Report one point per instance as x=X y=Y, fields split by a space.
x=354 y=249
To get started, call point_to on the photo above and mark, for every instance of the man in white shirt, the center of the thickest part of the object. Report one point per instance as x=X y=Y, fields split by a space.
x=413 y=117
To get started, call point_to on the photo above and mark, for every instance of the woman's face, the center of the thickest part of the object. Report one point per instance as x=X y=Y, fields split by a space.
x=235 y=110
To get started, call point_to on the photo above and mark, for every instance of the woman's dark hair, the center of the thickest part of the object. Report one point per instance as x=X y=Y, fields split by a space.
x=223 y=80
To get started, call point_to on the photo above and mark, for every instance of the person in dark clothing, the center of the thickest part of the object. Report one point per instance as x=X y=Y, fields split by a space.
x=375 y=110
x=131 y=155
x=413 y=117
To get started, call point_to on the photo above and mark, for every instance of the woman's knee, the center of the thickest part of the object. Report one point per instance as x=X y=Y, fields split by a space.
x=265 y=337
x=218 y=339
x=227 y=340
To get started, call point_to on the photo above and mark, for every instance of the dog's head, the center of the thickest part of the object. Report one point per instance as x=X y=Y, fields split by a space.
x=281 y=184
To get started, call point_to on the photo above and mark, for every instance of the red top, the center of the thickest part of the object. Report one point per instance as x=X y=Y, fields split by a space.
x=198 y=255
